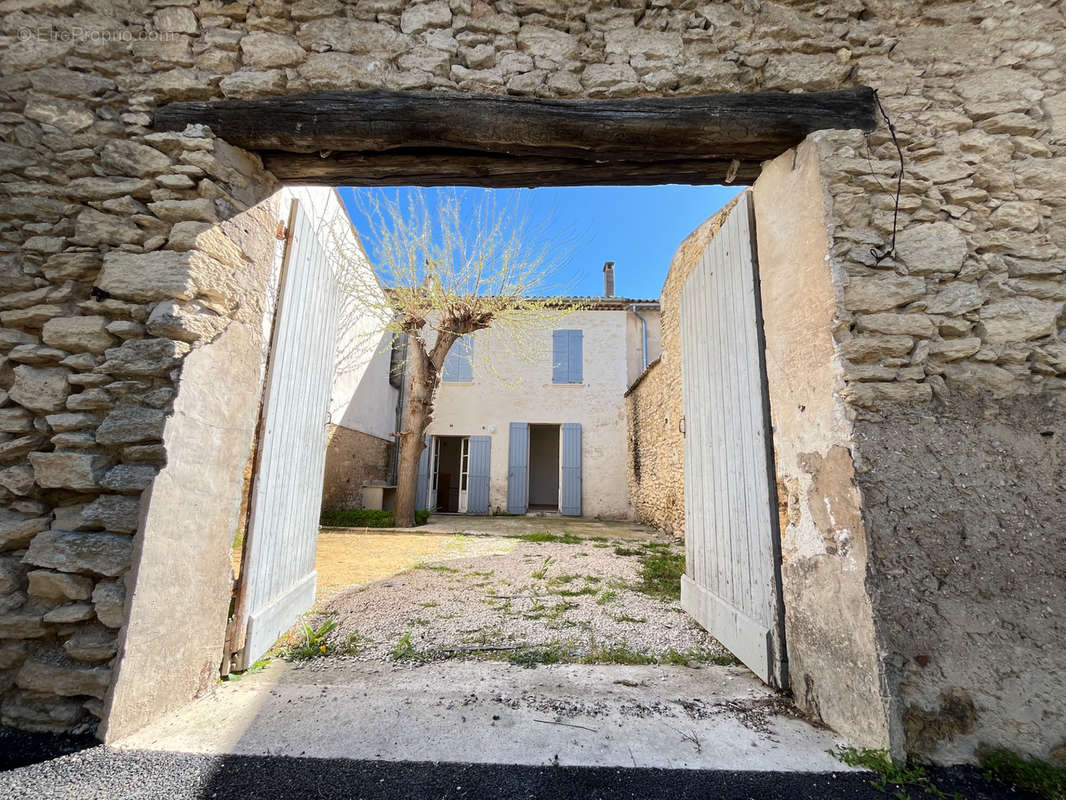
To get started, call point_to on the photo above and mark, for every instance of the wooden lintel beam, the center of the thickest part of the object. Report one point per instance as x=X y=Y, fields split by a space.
x=750 y=127
x=422 y=168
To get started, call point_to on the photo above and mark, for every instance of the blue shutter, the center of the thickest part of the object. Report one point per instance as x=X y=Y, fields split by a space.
x=477 y=498
x=567 y=357
x=459 y=363
x=560 y=357
x=575 y=373
x=423 y=478
x=571 y=503
x=466 y=359
x=518 y=469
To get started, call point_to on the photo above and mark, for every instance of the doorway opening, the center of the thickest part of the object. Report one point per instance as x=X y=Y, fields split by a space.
x=451 y=473
x=544 y=467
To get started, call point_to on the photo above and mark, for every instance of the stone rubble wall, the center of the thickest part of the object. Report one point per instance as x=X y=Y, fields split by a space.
x=106 y=287
x=352 y=459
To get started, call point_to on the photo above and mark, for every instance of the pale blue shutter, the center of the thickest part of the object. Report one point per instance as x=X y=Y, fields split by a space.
x=459 y=363
x=477 y=499
x=571 y=502
x=560 y=357
x=423 y=478
x=574 y=372
x=518 y=469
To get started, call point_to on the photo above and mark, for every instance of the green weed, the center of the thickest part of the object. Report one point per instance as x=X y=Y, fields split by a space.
x=404 y=649
x=540 y=573
x=660 y=574
x=586 y=589
x=436 y=568
x=627 y=618
x=258 y=666
x=313 y=642
x=532 y=655
x=607 y=596
x=364 y=518
x=891 y=776
x=547 y=536
x=617 y=654
x=1029 y=774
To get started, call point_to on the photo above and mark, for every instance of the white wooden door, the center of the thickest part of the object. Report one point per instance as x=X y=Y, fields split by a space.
x=278 y=576
x=732 y=583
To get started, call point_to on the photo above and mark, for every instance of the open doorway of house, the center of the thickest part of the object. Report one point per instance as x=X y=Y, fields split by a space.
x=544 y=467
x=451 y=471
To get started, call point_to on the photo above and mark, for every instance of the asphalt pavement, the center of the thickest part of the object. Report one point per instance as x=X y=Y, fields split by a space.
x=62 y=768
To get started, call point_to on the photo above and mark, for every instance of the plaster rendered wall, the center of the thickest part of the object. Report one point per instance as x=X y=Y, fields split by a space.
x=362 y=406
x=834 y=660
x=94 y=197
x=514 y=384
x=635 y=342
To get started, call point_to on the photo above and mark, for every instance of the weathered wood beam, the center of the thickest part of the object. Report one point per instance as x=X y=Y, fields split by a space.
x=747 y=126
x=430 y=168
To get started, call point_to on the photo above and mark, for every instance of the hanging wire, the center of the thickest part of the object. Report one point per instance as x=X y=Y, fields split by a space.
x=881 y=253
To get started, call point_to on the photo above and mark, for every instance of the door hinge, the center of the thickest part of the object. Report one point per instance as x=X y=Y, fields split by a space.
x=681 y=427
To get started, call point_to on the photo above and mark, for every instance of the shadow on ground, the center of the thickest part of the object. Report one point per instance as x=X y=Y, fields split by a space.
x=124 y=775
x=21 y=749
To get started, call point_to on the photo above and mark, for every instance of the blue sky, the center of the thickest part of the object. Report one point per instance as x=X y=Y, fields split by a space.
x=637 y=227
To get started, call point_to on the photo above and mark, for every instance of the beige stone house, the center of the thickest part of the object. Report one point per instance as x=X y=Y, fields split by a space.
x=526 y=420
x=534 y=420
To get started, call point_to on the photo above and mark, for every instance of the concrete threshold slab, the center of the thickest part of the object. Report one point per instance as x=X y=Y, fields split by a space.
x=492 y=713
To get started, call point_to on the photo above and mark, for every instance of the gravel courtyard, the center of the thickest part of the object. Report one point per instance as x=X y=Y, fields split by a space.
x=538 y=597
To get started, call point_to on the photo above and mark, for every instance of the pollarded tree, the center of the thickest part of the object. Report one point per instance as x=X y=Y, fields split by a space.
x=452 y=263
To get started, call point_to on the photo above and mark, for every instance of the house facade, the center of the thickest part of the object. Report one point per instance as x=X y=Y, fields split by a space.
x=532 y=420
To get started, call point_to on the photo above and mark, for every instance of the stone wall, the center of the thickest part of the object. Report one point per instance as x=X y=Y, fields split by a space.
x=653 y=403
x=352 y=459
x=106 y=291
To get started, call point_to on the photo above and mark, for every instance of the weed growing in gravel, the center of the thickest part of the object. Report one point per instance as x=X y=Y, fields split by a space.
x=626 y=618
x=607 y=596
x=547 y=536
x=476 y=574
x=660 y=574
x=628 y=551
x=586 y=589
x=404 y=649
x=601 y=544
x=435 y=568
x=430 y=604
x=354 y=644
x=313 y=643
x=1029 y=774
x=531 y=655
x=687 y=658
x=617 y=654
x=899 y=776
x=543 y=571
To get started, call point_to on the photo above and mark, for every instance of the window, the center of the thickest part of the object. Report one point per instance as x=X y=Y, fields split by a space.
x=459 y=363
x=567 y=357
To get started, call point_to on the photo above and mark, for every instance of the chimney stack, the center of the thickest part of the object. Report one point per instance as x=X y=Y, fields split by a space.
x=608 y=279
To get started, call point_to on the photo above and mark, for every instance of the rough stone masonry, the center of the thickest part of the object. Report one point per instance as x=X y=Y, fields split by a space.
x=129 y=255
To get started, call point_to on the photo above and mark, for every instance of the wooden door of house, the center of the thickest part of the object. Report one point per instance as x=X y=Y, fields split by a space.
x=278 y=576
x=732 y=582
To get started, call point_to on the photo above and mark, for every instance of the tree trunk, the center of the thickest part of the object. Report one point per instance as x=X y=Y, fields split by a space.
x=425 y=375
